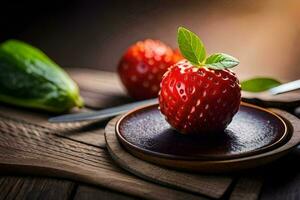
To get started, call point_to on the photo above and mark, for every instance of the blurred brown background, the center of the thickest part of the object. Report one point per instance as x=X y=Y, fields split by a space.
x=264 y=35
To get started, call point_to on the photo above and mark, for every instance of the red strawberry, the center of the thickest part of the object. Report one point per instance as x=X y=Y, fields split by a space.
x=201 y=97
x=199 y=100
x=143 y=65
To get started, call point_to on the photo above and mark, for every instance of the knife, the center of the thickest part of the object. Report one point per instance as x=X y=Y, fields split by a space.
x=101 y=114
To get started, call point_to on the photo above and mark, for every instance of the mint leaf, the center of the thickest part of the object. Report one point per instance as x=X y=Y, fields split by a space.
x=193 y=50
x=259 y=84
x=221 y=61
x=191 y=47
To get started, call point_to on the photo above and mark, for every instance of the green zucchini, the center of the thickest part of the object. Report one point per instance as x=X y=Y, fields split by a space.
x=29 y=78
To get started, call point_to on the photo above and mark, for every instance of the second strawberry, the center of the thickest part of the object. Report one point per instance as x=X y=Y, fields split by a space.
x=143 y=65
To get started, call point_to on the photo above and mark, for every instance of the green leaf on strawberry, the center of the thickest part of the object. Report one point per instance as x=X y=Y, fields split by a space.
x=191 y=46
x=221 y=61
x=193 y=49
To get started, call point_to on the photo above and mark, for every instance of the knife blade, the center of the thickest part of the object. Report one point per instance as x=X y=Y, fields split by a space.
x=286 y=87
x=101 y=114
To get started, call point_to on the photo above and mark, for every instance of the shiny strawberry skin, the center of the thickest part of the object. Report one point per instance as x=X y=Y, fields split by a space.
x=142 y=66
x=199 y=100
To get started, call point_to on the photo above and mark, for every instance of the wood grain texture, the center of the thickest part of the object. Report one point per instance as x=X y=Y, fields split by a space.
x=99 y=89
x=210 y=185
x=102 y=82
x=86 y=132
x=27 y=149
x=85 y=192
x=282 y=178
x=247 y=188
x=34 y=188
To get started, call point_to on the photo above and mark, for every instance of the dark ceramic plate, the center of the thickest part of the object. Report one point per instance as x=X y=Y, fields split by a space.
x=253 y=130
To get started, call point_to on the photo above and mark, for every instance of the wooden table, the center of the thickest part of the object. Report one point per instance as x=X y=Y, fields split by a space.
x=281 y=180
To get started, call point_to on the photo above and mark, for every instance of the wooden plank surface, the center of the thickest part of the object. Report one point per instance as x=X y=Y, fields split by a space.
x=12 y=187
x=85 y=192
x=100 y=89
x=33 y=188
x=85 y=132
x=247 y=187
x=27 y=149
x=282 y=179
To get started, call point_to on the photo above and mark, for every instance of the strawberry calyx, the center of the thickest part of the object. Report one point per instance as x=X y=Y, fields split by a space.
x=193 y=49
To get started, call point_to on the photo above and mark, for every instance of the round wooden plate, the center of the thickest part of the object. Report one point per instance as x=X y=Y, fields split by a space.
x=253 y=132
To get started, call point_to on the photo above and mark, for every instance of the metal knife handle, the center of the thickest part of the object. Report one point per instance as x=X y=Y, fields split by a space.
x=101 y=114
x=286 y=87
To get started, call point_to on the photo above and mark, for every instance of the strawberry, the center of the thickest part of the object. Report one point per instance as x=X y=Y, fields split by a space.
x=199 y=95
x=142 y=66
x=196 y=100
